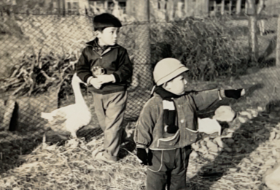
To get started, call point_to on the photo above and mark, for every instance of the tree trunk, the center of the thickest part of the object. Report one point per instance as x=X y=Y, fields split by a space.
x=142 y=63
x=252 y=24
x=278 y=43
x=238 y=7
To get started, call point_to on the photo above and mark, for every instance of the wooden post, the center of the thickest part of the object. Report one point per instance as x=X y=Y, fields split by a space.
x=142 y=57
x=278 y=43
x=252 y=24
x=238 y=7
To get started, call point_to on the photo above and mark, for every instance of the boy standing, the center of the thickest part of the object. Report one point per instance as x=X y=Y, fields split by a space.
x=106 y=66
x=167 y=125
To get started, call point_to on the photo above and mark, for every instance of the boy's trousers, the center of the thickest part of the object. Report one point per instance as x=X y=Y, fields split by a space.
x=109 y=109
x=168 y=169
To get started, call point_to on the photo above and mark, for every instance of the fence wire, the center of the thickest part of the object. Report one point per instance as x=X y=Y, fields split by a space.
x=38 y=55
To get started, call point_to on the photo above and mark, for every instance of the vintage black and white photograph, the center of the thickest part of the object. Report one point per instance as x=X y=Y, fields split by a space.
x=139 y=94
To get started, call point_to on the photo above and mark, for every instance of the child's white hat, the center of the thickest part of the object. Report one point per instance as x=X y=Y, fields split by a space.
x=167 y=69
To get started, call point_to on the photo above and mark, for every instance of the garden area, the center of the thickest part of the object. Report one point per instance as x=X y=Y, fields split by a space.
x=37 y=61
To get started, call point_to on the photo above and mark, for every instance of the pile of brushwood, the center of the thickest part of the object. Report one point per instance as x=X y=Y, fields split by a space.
x=206 y=46
x=36 y=74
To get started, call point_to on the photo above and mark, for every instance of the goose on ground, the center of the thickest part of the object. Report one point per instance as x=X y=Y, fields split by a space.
x=72 y=117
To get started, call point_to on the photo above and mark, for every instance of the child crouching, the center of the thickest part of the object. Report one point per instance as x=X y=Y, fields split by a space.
x=167 y=125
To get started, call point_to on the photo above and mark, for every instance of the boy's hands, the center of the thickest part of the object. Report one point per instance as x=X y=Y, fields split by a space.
x=232 y=93
x=101 y=79
x=95 y=83
x=105 y=78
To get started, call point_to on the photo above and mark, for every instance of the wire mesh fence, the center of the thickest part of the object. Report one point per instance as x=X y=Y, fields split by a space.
x=38 y=55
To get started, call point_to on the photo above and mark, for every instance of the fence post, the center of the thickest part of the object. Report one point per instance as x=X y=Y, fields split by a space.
x=253 y=39
x=278 y=43
x=142 y=57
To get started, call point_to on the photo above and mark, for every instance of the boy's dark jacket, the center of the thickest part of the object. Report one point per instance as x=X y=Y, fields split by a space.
x=150 y=132
x=114 y=59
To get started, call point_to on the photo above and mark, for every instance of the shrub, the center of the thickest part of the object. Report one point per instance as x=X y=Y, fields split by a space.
x=205 y=46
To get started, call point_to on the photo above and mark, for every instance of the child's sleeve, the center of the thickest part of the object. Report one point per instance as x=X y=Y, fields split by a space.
x=144 y=128
x=124 y=71
x=83 y=67
x=205 y=99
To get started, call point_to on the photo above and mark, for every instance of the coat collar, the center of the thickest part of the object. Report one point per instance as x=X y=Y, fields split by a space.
x=94 y=44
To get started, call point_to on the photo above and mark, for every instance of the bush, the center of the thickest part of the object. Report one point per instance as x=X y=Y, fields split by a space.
x=206 y=47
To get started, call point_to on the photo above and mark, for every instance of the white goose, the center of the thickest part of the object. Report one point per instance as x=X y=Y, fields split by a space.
x=71 y=117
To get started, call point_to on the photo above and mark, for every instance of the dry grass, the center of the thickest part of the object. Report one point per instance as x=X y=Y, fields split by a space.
x=71 y=167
